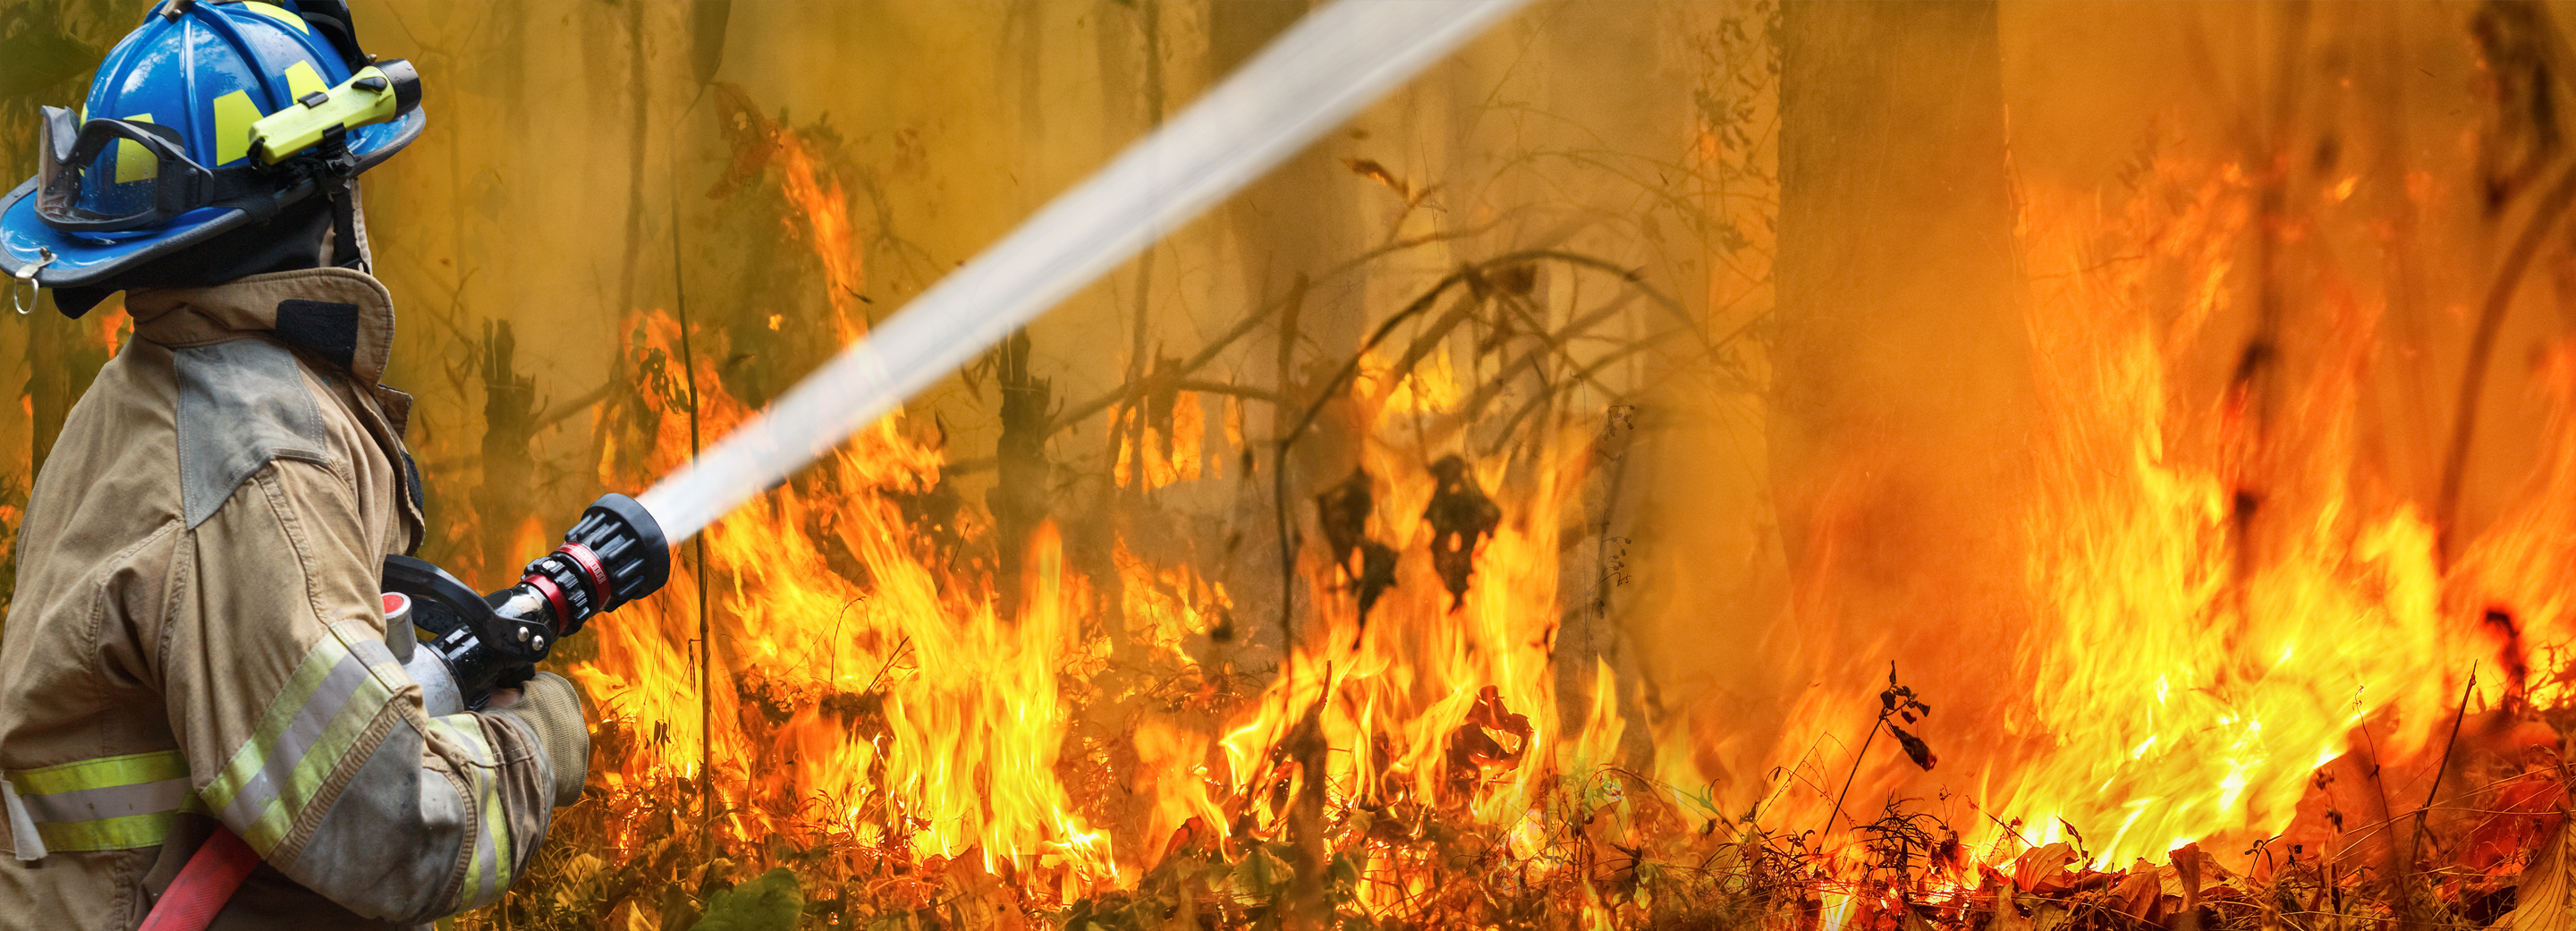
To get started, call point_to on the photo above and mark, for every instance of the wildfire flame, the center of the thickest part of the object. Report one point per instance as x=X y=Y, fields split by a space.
x=2186 y=672
x=899 y=710
x=2176 y=672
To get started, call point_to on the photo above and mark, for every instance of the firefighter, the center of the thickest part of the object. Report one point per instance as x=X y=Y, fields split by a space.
x=195 y=668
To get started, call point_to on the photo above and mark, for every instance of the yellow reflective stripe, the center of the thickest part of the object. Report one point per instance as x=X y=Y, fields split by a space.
x=133 y=161
x=101 y=773
x=245 y=764
x=125 y=832
x=119 y=832
x=279 y=14
x=308 y=728
x=234 y=112
x=487 y=866
x=301 y=79
x=487 y=870
x=312 y=768
x=496 y=825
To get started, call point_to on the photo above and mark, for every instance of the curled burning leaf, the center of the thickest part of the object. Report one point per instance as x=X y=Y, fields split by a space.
x=1343 y=512
x=1377 y=574
x=1461 y=516
x=1480 y=747
x=1915 y=748
x=1264 y=871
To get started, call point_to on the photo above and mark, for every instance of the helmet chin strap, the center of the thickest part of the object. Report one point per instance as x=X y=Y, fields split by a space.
x=347 y=245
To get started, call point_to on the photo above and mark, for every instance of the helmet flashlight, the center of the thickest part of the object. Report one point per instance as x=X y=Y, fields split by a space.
x=378 y=93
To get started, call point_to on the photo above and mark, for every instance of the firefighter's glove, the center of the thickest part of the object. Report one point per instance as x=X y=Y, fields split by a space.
x=550 y=708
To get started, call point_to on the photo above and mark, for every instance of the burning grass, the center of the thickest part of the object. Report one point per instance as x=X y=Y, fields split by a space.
x=1335 y=701
x=891 y=751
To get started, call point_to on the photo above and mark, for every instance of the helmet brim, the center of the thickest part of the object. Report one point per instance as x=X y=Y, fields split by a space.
x=85 y=261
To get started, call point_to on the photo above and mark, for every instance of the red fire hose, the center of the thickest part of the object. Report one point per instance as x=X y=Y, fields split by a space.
x=204 y=885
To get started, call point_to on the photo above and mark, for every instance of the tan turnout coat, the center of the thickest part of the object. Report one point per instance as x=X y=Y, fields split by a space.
x=196 y=636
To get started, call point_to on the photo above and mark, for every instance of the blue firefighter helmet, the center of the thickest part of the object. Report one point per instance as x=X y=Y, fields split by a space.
x=210 y=118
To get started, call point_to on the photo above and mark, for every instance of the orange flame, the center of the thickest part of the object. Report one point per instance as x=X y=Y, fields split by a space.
x=818 y=198
x=2176 y=685
x=867 y=693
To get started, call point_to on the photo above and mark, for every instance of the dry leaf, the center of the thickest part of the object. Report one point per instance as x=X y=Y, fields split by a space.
x=2136 y=895
x=1915 y=749
x=2041 y=864
x=1460 y=516
x=1342 y=512
x=2542 y=904
x=2008 y=916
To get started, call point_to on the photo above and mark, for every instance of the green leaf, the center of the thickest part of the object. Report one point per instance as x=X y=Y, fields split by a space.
x=1263 y=873
x=770 y=903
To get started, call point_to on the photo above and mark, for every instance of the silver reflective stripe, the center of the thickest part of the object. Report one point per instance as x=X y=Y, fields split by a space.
x=22 y=829
x=146 y=798
x=313 y=724
x=277 y=769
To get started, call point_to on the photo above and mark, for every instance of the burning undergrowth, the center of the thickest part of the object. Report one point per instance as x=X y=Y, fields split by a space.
x=907 y=752
x=2256 y=693
x=888 y=748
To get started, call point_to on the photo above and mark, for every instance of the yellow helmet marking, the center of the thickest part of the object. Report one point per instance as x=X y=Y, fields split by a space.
x=274 y=12
x=234 y=112
x=133 y=161
x=301 y=80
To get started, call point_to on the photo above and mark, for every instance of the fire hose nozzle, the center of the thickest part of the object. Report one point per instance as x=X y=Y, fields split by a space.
x=615 y=554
